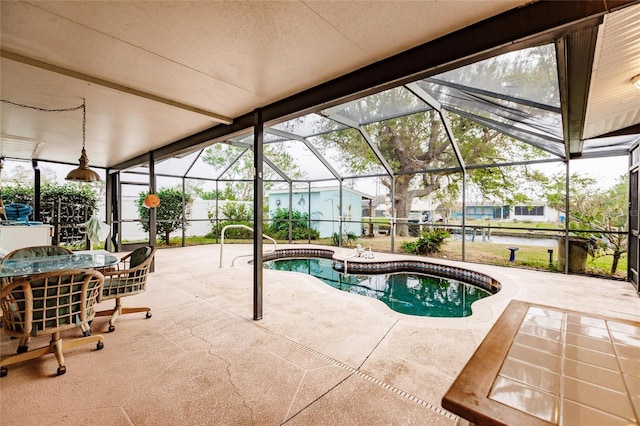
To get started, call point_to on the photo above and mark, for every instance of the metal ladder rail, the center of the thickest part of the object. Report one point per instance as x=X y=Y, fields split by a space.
x=275 y=243
x=345 y=261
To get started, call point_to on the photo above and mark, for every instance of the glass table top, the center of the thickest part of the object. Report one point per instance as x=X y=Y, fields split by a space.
x=37 y=265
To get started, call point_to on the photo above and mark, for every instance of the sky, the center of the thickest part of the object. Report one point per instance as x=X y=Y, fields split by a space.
x=604 y=170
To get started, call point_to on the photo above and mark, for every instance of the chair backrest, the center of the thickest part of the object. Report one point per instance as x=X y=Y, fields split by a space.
x=37 y=251
x=131 y=276
x=139 y=255
x=50 y=302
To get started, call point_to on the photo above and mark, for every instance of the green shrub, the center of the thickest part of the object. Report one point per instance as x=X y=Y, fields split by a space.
x=429 y=242
x=17 y=194
x=169 y=214
x=279 y=227
x=233 y=213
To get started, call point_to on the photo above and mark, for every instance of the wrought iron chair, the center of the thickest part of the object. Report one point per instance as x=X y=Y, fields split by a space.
x=128 y=279
x=47 y=304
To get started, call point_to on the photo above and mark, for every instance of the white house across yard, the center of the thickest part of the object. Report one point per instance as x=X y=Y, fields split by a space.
x=323 y=207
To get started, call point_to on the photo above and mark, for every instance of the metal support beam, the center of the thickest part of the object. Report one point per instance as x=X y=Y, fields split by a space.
x=309 y=213
x=567 y=188
x=429 y=100
x=277 y=169
x=184 y=212
x=340 y=224
x=290 y=230
x=258 y=192
x=574 y=56
x=464 y=212
x=37 y=207
x=367 y=139
x=113 y=210
x=153 y=224
x=392 y=228
x=232 y=163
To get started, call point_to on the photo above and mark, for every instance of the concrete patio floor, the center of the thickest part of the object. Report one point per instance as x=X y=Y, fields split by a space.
x=319 y=356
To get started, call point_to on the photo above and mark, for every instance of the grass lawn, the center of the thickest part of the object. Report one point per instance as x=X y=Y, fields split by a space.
x=534 y=257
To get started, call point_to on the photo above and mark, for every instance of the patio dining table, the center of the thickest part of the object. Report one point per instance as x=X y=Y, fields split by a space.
x=90 y=259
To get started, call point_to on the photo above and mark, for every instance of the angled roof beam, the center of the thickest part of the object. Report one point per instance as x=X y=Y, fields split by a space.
x=427 y=98
x=277 y=169
x=492 y=124
x=231 y=164
x=312 y=148
x=193 y=163
x=239 y=144
x=249 y=146
x=367 y=139
x=496 y=95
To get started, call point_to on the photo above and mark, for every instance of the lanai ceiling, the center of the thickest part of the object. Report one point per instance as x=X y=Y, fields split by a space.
x=174 y=74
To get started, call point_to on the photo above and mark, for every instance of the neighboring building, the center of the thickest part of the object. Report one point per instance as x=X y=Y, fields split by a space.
x=483 y=211
x=537 y=213
x=323 y=206
x=532 y=213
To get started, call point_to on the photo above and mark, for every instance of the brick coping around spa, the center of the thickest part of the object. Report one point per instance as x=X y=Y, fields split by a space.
x=477 y=279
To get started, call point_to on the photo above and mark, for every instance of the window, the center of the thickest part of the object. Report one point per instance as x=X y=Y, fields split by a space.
x=529 y=211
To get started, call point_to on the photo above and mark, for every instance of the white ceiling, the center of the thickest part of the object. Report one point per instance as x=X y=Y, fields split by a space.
x=223 y=58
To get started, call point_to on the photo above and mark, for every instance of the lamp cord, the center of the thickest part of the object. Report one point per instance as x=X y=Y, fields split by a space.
x=43 y=109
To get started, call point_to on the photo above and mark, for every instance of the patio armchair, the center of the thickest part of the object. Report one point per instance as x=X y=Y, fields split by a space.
x=48 y=304
x=128 y=278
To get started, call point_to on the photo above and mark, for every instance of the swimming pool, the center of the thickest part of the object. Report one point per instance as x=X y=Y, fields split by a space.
x=405 y=292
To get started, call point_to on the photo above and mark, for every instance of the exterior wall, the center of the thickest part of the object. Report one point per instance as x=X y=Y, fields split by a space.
x=324 y=211
x=323 y=207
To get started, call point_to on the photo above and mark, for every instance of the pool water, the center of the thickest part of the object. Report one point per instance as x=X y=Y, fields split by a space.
x=407 y=293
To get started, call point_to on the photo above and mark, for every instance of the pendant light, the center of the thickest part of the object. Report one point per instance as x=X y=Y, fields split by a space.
x=83 y=173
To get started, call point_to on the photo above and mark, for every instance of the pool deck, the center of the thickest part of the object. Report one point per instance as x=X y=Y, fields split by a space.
x=318 y=356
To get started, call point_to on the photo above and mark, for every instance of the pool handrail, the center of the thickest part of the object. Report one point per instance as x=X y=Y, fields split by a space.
x=347 y=258
x=275 y=243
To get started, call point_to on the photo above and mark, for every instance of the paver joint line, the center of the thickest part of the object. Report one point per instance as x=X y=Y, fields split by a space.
x=354 y=371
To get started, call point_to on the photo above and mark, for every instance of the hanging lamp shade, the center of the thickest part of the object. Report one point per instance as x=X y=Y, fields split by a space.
x=83 y=173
